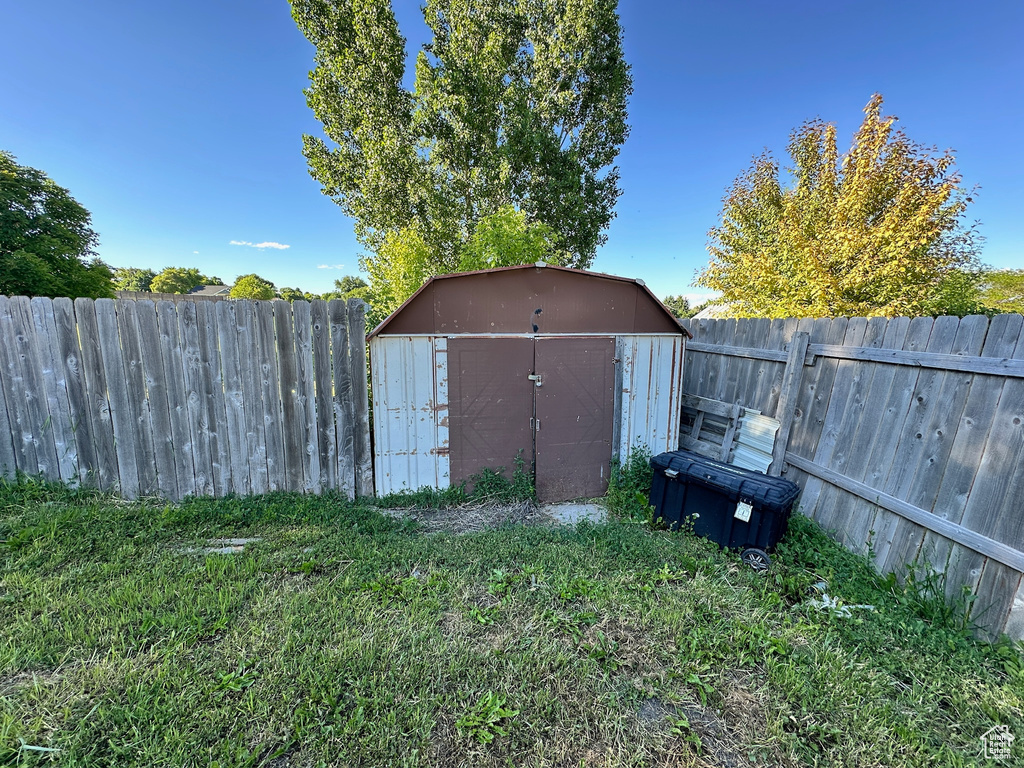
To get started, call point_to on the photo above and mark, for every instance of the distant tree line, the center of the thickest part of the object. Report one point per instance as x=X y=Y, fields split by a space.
x=184 y=280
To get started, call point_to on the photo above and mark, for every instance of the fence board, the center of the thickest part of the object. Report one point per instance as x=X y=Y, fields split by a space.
x=106 y=469
x=57 y=404
x=270 y=393
x=251 y=366
x=117 y=392
x=360 y=397
x=69 y=358
x=195 y=397
x=214 y=405
x=8 y=462
x=234 y=401
x=751 y=369
x=344 y=407
x=138 y=402
x=34 y=415
x=173 y=365
x=159 y=407
x=294 y=447
x=324 y=407
x=306 y=397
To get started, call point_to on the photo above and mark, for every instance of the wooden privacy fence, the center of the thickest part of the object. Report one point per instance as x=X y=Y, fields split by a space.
x=907 y=436
x=185 y=398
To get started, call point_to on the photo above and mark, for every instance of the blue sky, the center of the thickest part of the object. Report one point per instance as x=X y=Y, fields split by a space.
x=179 y=125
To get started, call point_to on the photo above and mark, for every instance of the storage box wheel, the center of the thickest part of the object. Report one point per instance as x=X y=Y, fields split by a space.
x=756 y=558
x=735 y=508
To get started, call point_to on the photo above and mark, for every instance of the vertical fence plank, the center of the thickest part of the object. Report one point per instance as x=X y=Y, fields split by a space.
x=234 y=403
x=24 y=435
x=294 y=447
x=159 y=408
x=192 y=368
x=96 y=389
x=325 y=427
x=30 y=375
x=172 y=359
x=138 y=398
x=344 y=411
x=361 y=406
x=117 y=392
x=780 y=336
x=760 y=328
x=8 y=460
x=58 y=406
x=305 y=393
x=213 y=396
x=270 y=393
x=250 y=366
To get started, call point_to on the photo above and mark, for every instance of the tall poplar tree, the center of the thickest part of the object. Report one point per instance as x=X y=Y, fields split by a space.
x=517 y=103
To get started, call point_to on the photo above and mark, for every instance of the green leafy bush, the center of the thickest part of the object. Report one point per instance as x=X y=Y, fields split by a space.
x=629 y=486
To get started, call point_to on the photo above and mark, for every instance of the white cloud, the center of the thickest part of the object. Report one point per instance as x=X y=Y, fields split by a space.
x=261 y=246
x=195 y=251
x=330 y=266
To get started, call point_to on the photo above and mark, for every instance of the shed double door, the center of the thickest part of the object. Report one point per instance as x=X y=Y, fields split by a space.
x=551 y=398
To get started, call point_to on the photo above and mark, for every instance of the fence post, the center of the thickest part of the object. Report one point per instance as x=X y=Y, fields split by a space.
x=787 y=398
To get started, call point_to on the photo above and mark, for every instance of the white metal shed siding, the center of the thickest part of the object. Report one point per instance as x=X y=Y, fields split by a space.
x=651 y=393
x=410 y=375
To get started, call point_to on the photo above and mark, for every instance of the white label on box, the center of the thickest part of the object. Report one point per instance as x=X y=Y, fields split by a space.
x=743 y=511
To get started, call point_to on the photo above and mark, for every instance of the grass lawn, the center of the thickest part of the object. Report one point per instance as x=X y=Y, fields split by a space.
x=346 y=637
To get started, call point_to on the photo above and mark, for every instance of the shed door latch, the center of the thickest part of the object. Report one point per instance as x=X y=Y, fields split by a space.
x=535 y=377
x=534 y=424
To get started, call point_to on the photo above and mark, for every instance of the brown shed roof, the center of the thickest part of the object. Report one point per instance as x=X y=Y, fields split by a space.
x=530 y=298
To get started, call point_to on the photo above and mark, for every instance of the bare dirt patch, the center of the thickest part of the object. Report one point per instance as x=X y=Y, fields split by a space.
x=470 y=518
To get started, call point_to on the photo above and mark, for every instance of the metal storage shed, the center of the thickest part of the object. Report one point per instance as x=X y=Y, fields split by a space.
x=568 y=367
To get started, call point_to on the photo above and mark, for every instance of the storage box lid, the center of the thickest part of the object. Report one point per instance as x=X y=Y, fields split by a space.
x=761 y=490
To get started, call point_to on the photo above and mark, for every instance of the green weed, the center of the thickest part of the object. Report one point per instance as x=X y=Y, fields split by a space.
x=487 y=719
x=629 y=486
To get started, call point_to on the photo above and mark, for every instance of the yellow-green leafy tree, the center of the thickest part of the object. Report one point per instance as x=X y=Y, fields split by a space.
x=252 y=286
x=877 y=231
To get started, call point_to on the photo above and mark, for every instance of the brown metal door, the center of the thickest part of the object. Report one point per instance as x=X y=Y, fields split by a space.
x=575 y=404
x=490 y=404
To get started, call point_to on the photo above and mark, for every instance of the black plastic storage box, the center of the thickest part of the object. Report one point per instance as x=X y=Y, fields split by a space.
x=735 y=508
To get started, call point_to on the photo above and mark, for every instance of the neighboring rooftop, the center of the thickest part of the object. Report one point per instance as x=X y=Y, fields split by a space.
x=210 y=290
